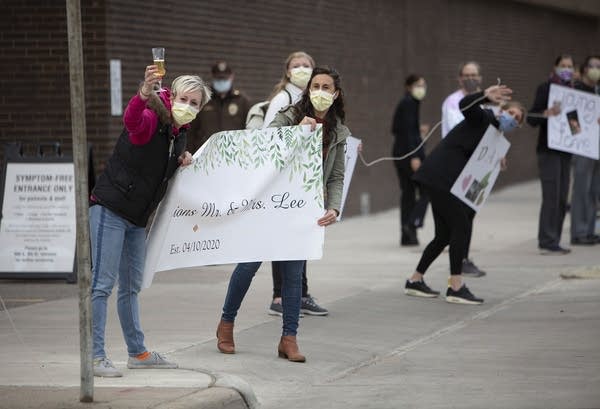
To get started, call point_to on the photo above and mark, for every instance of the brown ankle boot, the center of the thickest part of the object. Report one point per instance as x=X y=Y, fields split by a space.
x=288 y=349
x=225 y=337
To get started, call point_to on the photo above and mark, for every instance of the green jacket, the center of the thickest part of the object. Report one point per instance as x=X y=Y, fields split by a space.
x=333 y=164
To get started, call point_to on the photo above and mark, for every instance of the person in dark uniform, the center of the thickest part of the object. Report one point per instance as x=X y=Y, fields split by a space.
x=227 y=110
x=407 y=137
x=438 y=173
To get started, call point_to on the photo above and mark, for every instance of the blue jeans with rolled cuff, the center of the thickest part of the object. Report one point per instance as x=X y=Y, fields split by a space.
x=291 y=291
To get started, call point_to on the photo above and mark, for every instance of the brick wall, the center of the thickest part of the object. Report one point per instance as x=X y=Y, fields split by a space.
x=374 y=45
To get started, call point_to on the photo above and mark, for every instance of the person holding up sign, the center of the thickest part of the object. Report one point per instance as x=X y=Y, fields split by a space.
x=438 y=174
x=321 y=103
x=586 y=171
x=146 y=156
x=554 y=166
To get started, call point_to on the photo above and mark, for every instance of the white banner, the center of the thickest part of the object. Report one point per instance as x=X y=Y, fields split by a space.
x=576 y=128
x=250 y=195
x=477 y=179
x=37 y=229
x=349 y=162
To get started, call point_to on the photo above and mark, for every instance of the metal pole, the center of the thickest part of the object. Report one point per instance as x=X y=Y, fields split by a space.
x=80 y=155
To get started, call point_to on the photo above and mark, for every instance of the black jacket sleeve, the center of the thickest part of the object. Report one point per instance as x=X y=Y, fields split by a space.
x=405 y=128
x=470 y=106
x=539 y=105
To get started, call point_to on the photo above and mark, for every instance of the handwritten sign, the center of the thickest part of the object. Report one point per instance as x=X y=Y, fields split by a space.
x=576 y=128
x=479 y=175
x=37 y=229
x=250 y=195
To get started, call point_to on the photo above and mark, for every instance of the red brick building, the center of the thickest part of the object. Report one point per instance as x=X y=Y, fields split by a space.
x=373 y=44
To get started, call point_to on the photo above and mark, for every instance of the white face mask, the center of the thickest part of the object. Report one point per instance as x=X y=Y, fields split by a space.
x=300 y=76
x=183 y=113
x=419 y=92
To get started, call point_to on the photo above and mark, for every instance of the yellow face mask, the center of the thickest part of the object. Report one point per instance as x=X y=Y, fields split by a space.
x=321 y=100
x=300 y=76
x=183 y=113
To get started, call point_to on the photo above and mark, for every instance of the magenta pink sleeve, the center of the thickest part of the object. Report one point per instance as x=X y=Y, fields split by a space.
x=140 y=121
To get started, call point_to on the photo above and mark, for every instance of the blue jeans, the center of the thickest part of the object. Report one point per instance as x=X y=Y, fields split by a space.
x=118 y=251
x=291 y=291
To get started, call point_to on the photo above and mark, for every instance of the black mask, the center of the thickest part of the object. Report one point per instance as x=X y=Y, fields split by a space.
x=471 y=85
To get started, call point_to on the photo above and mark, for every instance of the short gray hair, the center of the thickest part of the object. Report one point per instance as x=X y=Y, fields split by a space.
x=187 y=83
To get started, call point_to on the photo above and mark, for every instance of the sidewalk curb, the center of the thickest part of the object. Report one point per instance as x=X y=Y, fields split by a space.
x=240 y=386
x=590 y=273
x=210 y=398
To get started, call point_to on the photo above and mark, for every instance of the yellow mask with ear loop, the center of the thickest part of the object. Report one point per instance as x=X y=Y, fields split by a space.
x=321 y=100
x=183 y=113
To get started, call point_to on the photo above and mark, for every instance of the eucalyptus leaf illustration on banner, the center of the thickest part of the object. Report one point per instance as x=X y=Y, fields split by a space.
x=249 y=195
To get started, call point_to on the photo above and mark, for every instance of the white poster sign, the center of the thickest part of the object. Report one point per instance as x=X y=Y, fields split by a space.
x=250 y=195
x=349 y=162
x=576 y=128
x=477 y=179
x=37 y=229
x=116 y=94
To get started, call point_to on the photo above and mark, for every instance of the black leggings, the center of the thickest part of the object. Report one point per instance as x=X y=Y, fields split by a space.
x=453 y=224
x=277 y=280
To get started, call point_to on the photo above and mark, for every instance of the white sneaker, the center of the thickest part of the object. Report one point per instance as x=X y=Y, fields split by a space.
x=103 y=367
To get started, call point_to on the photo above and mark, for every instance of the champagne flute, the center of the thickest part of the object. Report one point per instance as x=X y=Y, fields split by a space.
x=158 y=55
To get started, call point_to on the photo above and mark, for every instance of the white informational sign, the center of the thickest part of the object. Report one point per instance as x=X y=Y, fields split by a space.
x=250 y=195
x=116 y=94
x=477 y=179
x=37 y=229
x=576 y=128
x=349 y=162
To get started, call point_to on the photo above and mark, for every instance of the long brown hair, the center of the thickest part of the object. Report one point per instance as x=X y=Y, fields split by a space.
x=334 y=113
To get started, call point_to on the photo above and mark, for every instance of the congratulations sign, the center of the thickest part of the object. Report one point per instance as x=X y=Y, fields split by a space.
x=576 y=128
x=477 y=179
x=250 y=195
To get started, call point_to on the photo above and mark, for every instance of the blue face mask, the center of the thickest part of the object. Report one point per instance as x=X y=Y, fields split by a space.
x=507 y=122
x=222 y=86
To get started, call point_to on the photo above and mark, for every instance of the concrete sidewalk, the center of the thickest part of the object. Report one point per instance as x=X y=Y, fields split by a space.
x=532 y=344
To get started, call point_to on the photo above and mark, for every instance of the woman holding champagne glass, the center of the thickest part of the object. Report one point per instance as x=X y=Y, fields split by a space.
x=147 y=154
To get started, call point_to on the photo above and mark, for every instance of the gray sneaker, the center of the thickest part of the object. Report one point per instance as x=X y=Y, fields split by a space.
x=469 y=269
x=277 y=309
x=103 y=367
x=310 y=307
x=154 y=361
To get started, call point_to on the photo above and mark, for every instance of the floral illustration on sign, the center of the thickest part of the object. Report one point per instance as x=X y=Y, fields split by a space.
x=284 y=148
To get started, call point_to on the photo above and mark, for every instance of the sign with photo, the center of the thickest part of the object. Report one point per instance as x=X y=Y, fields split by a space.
x=575 y=129
x=249 y=195
x=479 y=175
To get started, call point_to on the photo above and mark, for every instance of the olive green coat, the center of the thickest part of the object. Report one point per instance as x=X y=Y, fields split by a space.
x=334 y=162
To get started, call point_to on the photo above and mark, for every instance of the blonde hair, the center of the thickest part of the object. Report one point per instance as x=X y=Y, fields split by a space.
x=515 y=104
x=191 y=83
x=285 y=80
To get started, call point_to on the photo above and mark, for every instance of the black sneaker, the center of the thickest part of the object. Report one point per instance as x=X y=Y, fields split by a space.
x=310 y=307
x=555 y=250
x=462 y=296
x=469 y=269
x=419 y=289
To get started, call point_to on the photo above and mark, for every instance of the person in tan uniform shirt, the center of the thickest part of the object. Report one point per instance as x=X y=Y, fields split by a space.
x=227 y=110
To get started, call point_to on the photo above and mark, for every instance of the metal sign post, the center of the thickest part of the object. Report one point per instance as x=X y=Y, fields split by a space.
x=80 y=153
